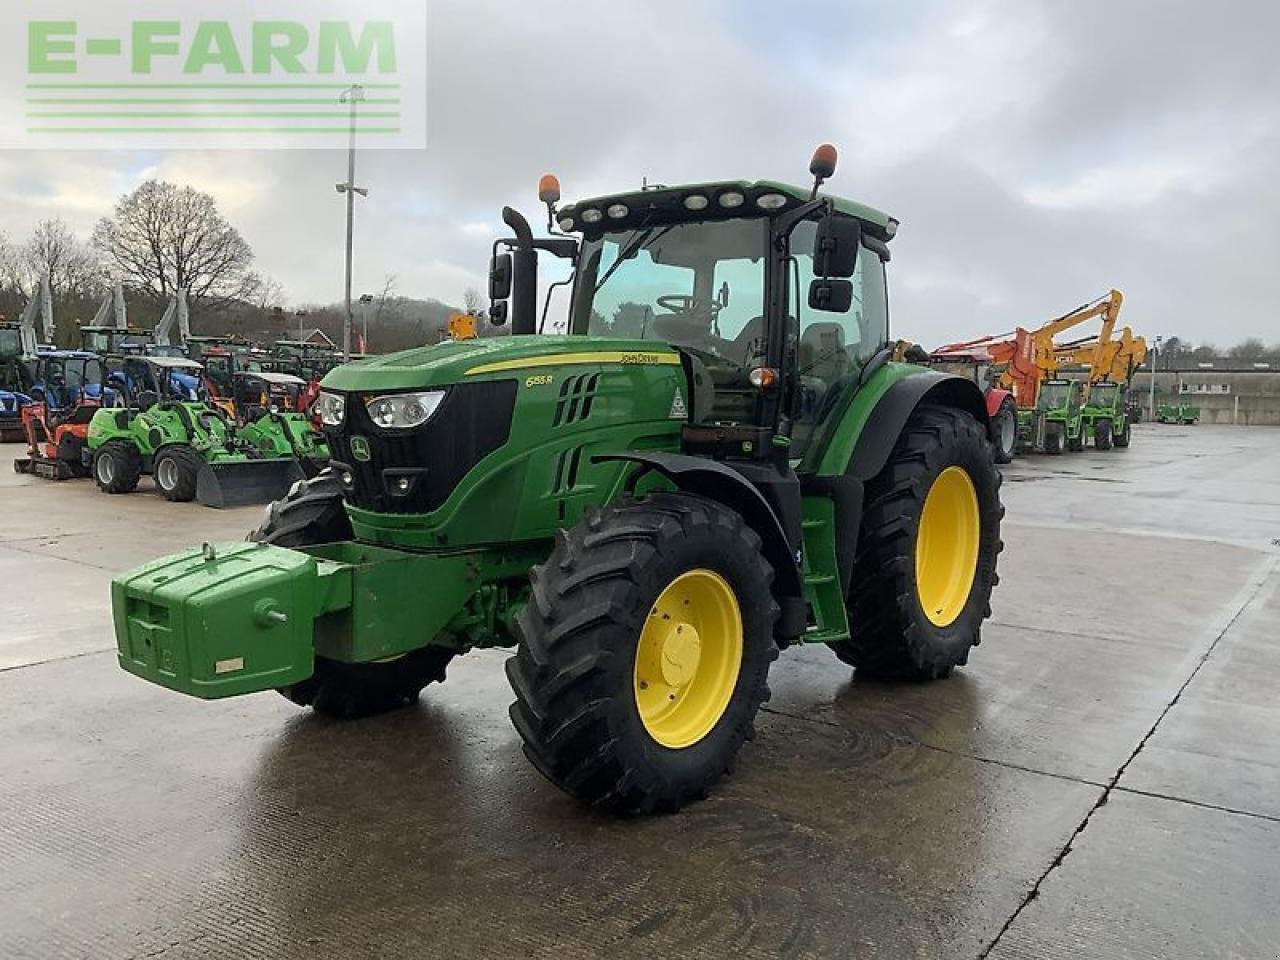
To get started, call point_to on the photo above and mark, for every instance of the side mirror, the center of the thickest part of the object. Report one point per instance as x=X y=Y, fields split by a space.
x=500 y=277
x=831 y=296
x=835 y=251
x=498 y=313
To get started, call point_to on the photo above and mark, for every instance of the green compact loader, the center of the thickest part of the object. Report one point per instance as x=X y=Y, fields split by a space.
x=166 y=428
x=1105 y=416
x=720 y=460
x=1056 y=423
x=269 y=412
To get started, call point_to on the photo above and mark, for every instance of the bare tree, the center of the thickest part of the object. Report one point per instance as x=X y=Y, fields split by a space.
x=73 y=270
x=472 y=302
x=388 y=288
x=163 y=237
x=76 y=276
x=1250 y=350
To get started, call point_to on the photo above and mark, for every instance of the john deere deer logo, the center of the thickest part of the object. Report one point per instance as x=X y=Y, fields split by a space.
x=360 y=449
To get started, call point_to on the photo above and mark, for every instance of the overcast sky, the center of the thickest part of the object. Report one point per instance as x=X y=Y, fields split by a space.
x=1037 y=153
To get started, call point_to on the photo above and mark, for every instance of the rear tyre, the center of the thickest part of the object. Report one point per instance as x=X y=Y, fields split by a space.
x=1102 y=435
x=1121 y=439
x=1004 y=431
x=117 y=467
x=926 y=558
x=644 y=653
x=313 y=514
x=175 y=471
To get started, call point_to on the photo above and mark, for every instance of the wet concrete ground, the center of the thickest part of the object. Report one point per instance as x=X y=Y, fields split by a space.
x=1103 y=780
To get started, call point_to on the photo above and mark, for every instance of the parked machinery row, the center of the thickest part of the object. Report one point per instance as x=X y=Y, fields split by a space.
x=119 y=418
x=1035 y=402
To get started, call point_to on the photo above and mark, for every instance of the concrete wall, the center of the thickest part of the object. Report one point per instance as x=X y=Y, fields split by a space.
x=1247 y=398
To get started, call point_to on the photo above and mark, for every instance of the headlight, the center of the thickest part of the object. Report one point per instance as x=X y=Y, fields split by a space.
x=771 y=201
x=591 y=215
x=331 y=408
x=732 y=199
x=404 y=410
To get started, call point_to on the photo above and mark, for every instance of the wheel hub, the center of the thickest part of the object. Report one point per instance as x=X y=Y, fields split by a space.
x=681 y=651
x=947 y=544
x=688 y=658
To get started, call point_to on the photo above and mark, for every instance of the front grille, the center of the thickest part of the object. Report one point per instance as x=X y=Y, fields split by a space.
x=430 y=461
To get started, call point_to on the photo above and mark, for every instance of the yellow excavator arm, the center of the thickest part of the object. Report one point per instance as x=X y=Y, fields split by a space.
x=1113 y=361
x=1107 y=307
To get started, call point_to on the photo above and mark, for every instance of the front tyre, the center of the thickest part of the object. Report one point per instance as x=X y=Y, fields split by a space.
x=117 y=467
x=1122 y=437
x=313 y=514
x=175 y=471
x=644 y=653
x=1102 y=438
x=926 y=558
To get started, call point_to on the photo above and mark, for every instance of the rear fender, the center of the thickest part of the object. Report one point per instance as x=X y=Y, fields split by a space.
x=995 y=400
x=888 y=418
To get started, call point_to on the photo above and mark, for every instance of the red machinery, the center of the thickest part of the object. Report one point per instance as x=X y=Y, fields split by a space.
x=1001 y=366
x=56 y=425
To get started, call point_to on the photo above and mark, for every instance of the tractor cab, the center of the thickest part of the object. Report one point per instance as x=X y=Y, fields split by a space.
x=10 y=341
x=70 y=388
x=774 y=299
x=1061 y=397
x=1105 y=396
x=145 y=381
x=258 y=392
x=63 y=379
x=106 y=341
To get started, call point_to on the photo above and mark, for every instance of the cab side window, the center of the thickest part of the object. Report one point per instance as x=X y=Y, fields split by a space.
x=832 y=348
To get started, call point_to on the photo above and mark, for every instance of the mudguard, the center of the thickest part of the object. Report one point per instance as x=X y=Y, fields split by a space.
x=890 y=415
x=717 y=481
x=995 y=400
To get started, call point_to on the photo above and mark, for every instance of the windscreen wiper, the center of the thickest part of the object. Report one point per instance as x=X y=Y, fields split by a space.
x=638 y=243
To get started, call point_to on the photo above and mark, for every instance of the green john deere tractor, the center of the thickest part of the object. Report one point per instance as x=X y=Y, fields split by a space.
x=1056 y=422
x=719 y=461
x=1105 y=415
x=166 y=428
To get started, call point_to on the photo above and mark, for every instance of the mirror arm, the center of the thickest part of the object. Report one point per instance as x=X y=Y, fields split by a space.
x=787 y=222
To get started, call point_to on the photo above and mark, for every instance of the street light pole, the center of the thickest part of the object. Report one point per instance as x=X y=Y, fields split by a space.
x=1155 y=358
x=366 y=301
x=353 y=95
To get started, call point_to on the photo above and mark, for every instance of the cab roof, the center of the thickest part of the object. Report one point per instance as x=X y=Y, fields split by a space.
x=171 y=362
x=283 y=379
x=672 y=198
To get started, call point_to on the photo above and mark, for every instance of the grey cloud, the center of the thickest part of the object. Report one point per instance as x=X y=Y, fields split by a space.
x=1037 y=153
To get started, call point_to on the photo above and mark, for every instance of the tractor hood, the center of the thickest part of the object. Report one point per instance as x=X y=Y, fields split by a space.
x=493 y=358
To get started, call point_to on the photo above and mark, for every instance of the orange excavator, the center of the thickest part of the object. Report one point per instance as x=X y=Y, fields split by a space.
x=1012 y=367
x=990 y=362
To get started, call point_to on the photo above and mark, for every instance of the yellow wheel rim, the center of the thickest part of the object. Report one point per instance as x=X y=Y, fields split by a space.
x=688 y=658
x=947 y=546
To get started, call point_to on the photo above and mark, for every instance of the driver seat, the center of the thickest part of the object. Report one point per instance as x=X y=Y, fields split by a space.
x=822 y=352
